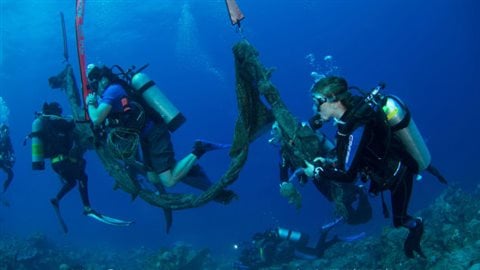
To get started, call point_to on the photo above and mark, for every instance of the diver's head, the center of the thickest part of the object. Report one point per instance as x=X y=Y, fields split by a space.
x=52 y=108
x=99 y=77
x=331 y=88
x=329 y=95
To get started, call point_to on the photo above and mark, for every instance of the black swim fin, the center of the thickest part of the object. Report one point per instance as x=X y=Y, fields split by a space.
x=56 y=207
x=412 y=243
x=435 y=172
x=168 y=214
x=201 y=147
x=198 y=179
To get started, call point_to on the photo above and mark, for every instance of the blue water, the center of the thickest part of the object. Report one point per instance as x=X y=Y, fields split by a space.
x=426 y=51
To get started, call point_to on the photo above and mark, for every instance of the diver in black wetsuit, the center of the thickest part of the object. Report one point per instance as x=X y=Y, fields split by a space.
x=53 y=138
x=379 y=156
x=279 y=245
x=351 y=200
x=7 y=155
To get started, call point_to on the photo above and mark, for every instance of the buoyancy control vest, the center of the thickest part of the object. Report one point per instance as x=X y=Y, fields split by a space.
x=51 y=136
x=399 y=121
x=132 y=115
x=145 y=92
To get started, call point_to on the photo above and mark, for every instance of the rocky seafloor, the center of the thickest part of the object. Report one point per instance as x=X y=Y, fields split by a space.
x=451 y=241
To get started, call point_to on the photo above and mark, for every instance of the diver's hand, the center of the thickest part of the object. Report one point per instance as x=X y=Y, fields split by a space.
x=314 y=170
x=91 y=99
x=309 y=170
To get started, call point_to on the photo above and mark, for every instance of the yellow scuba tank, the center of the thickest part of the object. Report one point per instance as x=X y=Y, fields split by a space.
x=158 y=101
x=38 y=162
x=403 y=126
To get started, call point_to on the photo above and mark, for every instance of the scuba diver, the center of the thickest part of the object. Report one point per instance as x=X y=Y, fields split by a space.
x=7 y=155
x=390 y=150
x=279 y=246
x=132 y=111
x=53 y=137
x=351 y=200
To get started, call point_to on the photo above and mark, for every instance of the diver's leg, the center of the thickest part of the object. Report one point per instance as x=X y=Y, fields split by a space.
x=200 y=147
x=83 y=189
x=158 y=156
x=64 y=170
x=9 y=179
x=182 y=167
x=401 y=193
x=79 y=168
x=68 y=185
x=400 y=197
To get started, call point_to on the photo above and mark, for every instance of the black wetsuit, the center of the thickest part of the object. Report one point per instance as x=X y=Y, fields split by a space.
x=7 y=156
x=269 y=248
x=58 y=139
x=379 y=156
x=345 y=193
x=72 y=170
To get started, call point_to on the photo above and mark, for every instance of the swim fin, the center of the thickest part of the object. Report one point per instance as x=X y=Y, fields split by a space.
x=412 y=243
x=198 y=179
x=209 y=146
x=201 y=147
x=435 y=172
x=56 y=207
x=106 y=219
x=167 y=212
x=332 y=224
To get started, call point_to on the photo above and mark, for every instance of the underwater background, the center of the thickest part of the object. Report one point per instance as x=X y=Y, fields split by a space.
x=427 y=53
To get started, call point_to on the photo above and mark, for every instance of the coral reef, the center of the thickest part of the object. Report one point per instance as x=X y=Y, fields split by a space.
x=38 y=253
x=451 y=241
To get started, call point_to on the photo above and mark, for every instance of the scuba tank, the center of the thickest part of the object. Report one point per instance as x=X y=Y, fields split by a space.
x=294 y=236
x=38 y=162
x=403 y=127
x=399 y=119
x=157 y=100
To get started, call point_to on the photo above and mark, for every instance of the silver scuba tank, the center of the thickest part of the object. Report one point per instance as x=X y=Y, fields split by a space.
x=158 y=101
x=293 y=236
x=404 y=128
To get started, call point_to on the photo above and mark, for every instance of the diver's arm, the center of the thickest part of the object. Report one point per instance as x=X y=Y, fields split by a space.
x=335 y=174
x=98 y=113
x=342 y=172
